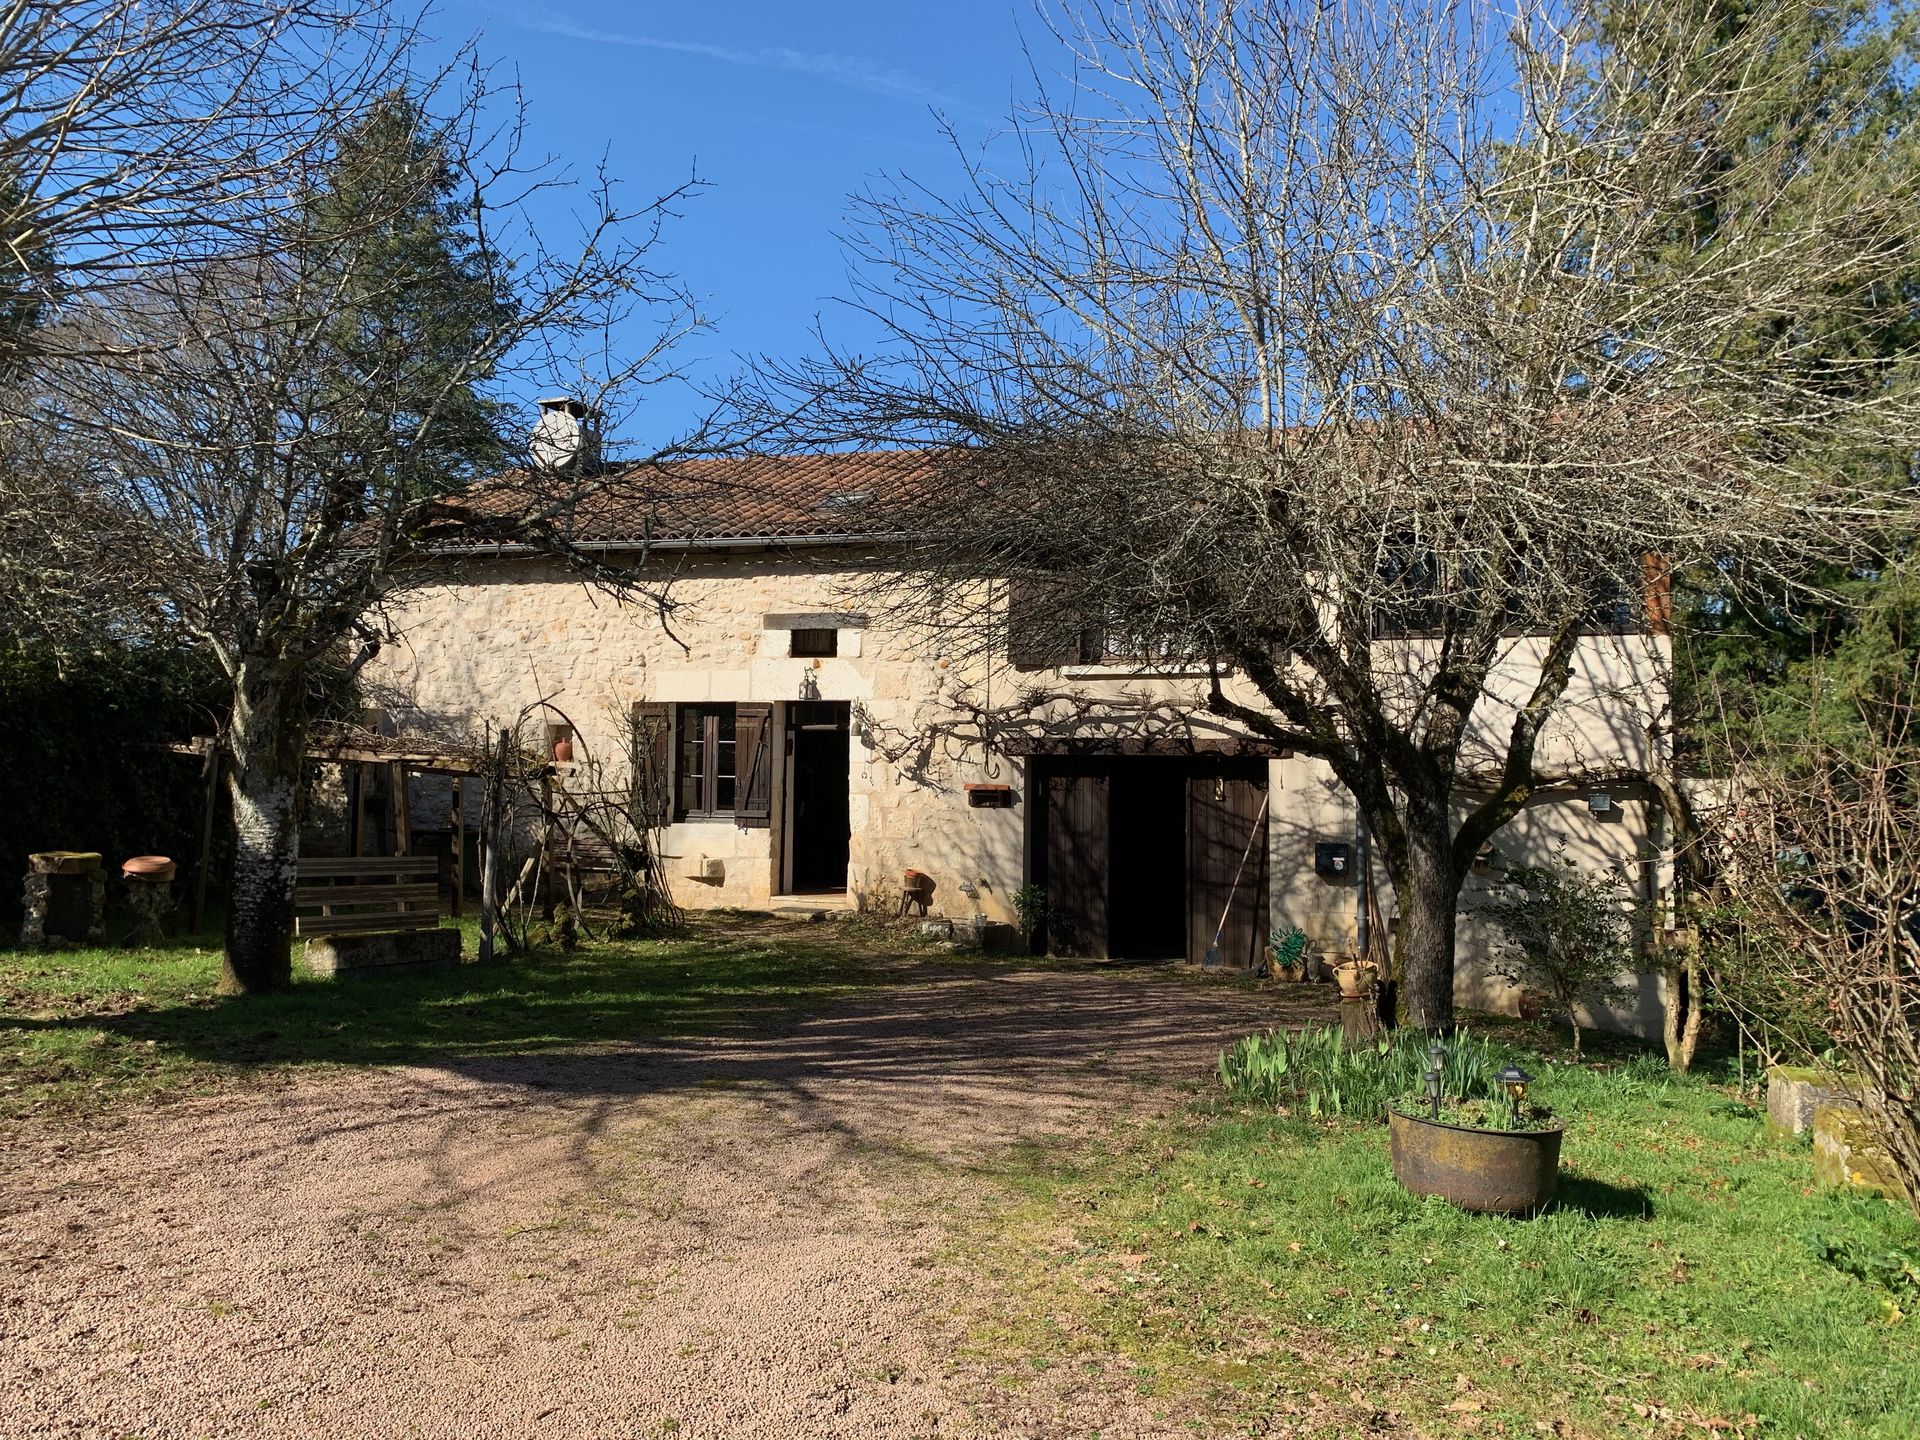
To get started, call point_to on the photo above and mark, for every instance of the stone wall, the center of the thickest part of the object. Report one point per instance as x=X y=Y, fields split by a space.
x=489 y=642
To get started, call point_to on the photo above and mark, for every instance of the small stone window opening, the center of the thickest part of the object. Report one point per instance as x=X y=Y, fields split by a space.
x=814 y=643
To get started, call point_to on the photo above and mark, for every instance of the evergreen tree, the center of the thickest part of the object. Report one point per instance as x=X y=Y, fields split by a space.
x=1740 y=665
x=418 y=305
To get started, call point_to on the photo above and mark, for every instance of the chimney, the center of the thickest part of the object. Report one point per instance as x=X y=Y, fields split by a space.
x=566 y=437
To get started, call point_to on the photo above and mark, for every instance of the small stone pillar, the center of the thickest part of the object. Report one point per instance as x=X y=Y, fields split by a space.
x=65 y=898
x=149 y=880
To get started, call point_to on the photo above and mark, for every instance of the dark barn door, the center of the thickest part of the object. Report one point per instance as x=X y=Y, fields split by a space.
x=1077 y=864
x=1226 y=824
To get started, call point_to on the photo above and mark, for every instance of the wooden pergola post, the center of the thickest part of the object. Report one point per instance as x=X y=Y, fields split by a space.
x=458 y=849
x=357 y=809
x=397 y=808
x=210 y=772
x=490 y=847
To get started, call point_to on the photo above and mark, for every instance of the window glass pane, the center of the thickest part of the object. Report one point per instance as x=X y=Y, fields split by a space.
x=692 y=757
x=724 y=765
x=814 y=642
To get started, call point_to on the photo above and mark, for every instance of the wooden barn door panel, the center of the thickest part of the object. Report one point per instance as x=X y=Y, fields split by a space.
x=1077 y=868
x=1224 y=813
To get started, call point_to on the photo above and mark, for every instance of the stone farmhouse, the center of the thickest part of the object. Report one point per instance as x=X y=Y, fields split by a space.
x=813 y=752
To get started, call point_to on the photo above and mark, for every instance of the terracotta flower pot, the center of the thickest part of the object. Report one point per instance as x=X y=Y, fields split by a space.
x=563 y=751
x=1504 y=1172
x=157 y=868
x=1356 y=977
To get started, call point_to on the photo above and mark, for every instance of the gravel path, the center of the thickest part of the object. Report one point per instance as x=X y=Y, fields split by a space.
x=722 y=1238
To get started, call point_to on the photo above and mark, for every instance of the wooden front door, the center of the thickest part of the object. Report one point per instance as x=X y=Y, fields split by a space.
x=1077 y=864
x=1226 y=866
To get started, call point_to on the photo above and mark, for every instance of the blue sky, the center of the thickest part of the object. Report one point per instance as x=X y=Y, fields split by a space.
x=784 y=108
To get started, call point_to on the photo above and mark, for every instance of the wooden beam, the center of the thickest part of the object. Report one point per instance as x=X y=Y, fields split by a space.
x=210 y=772
x=546 y=844
x=457 y=902
x=356 y=809
x=333 y=867
x=490 y=852
x=397 y=807
x=435 y=760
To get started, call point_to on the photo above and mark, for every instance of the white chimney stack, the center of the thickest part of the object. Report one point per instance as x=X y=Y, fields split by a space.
x=565 y=437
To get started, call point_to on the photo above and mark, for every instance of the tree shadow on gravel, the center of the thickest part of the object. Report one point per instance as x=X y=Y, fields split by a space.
x=738 y=1001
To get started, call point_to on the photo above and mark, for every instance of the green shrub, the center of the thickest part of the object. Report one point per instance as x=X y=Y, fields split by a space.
x=1319 y=1071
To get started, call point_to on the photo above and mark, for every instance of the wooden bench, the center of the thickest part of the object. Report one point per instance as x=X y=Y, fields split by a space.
x=367 y=895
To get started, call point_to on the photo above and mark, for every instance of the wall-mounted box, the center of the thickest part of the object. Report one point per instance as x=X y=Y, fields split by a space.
x=990 y=797
x=1333 y=860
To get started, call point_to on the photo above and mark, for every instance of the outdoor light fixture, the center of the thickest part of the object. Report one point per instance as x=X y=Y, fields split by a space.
x=1436 y=1062
x=1516 y=1080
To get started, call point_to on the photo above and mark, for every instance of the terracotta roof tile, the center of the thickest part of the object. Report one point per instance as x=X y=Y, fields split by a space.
x=771 y=497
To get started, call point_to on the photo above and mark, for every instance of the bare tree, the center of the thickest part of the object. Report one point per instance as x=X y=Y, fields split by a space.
x=287 y=436
x=138 y=134
x=1346 y=349
x=1821 y=843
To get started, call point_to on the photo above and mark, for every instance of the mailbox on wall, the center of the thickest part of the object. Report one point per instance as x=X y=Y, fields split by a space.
x=1333 y=860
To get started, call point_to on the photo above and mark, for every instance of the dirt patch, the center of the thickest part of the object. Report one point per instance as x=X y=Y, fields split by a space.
x=706 y=1238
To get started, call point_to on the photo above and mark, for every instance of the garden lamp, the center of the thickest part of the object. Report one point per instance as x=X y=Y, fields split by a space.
x=1433 y=1091
x=1516 y=1081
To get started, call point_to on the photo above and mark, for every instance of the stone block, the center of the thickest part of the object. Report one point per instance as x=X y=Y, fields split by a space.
x=1846 y=1152
x=1794 y=1092
x=388 y=952
x=64 y=899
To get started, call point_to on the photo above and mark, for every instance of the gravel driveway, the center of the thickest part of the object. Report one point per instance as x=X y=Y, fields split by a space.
x=729 y=1237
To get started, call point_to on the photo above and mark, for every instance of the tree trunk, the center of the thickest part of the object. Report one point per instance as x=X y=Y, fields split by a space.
x=1428 y=893
x=266 y=740
x=1680 y=1016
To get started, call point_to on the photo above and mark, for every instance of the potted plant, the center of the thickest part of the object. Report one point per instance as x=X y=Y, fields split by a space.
x=1355 y=974
x=1495 y=1154
x=1030 y=913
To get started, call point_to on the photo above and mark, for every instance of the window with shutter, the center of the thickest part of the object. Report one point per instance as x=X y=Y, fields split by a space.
x=754 y=731
x=723 y=768
x=1043 y=633
x=652 y=739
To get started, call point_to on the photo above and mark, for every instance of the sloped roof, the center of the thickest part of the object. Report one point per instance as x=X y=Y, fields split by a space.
x=793 y=498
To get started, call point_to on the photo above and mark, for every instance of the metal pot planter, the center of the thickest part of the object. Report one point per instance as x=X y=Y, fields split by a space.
x=1502 y=1172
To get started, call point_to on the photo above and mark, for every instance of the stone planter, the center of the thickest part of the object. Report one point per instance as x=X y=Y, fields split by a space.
x=1794 y=1092
x=1847 y=1154
x=1502 y=1172
x=64 y=899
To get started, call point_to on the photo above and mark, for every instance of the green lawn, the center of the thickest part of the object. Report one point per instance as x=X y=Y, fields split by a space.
x=80 y=1028
x=1263 y=1267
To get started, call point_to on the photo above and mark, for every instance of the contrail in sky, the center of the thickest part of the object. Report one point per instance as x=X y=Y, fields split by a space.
x=856 y=72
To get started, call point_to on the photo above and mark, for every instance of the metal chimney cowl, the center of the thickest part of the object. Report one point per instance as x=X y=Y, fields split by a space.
x=566 y=437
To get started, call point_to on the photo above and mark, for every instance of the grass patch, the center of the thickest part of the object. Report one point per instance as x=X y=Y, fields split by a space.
x=1267 y=1267
x=80 y=1028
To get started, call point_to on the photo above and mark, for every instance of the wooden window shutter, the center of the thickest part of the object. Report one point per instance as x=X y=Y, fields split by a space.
x=753 y=736
x=652 y=747
x=1042 y=633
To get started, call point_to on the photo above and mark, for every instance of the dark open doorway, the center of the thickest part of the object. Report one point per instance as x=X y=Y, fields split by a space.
x=817 y=773
x=1147 y=910
x=1152 y=857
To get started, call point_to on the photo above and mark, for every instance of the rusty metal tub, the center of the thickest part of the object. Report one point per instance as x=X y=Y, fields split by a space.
x=1504 y=1172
